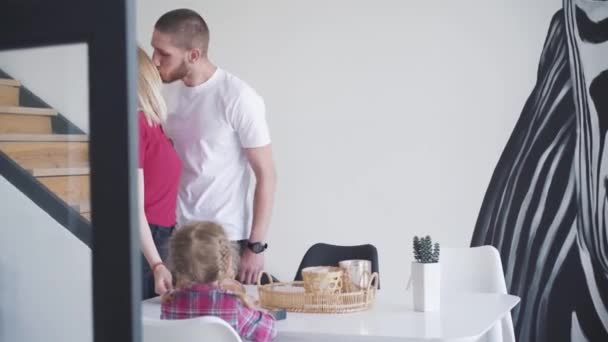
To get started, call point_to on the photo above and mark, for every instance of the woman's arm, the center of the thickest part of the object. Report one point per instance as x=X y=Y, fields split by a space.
x=162 y=276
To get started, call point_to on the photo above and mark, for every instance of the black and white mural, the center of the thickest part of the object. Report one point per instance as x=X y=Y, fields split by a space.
x=546 y=208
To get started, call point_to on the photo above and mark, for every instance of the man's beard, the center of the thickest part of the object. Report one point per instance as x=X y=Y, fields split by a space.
x=177 y=74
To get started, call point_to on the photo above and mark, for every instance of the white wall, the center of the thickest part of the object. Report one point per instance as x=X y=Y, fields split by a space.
x=387 y=117
x=45 y=275
x=56 y=74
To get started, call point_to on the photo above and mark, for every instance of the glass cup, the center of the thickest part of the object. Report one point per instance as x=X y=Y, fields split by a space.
x=357 y=274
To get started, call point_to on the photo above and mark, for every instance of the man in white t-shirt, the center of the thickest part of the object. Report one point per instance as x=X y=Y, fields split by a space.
x=218 y=127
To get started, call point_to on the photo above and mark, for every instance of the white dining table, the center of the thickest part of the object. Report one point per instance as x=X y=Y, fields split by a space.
x=462 y=317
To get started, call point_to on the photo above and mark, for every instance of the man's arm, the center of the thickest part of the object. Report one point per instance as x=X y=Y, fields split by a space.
x=262 y=164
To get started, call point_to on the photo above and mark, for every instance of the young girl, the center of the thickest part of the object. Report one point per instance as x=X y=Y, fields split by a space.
x=203 y=261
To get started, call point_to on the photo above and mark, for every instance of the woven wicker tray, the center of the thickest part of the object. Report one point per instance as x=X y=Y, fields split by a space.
x=292 y=297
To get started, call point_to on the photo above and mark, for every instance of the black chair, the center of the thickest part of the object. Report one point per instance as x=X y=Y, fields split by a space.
x=323 y=254
x=265 y=279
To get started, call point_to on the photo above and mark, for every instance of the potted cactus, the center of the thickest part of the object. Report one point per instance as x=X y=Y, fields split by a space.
x=426 y=276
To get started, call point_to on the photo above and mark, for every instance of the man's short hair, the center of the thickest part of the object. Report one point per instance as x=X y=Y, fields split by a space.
x=188 y=28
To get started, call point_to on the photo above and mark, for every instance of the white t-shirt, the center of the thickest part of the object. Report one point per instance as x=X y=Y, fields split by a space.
x=210 y=124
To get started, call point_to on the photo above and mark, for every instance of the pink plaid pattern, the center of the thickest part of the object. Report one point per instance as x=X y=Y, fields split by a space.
x=203 y=300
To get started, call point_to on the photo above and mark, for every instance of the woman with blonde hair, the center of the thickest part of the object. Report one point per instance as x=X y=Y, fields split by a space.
x=158 y=179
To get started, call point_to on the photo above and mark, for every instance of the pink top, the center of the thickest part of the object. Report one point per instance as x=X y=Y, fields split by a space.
x=162 y=169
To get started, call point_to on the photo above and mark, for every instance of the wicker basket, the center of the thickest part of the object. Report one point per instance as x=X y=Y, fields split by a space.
x=292 y=297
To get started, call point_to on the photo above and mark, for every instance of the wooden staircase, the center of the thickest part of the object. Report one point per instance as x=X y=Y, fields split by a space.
x=60 y=162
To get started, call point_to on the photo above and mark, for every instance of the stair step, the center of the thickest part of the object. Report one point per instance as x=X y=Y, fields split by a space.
x=25 y=124
x=47 y=155
x=9 y=92
x=27 y=111
x=85 y=207
x=72 y=189
x=9 y=82
x=60 y=171
x=81 y=207
x=59 y=161
x=44 y=137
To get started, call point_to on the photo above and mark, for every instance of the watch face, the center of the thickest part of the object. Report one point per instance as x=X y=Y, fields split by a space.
x=257 y=247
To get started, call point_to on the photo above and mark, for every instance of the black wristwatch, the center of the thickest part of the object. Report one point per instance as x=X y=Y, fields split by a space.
x=257 y=247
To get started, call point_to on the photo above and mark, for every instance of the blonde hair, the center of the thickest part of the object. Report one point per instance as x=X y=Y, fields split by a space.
x=200 y=252
x=149 y=98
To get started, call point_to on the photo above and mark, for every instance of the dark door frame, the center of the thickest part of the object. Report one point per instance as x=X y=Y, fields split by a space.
x=107 y=26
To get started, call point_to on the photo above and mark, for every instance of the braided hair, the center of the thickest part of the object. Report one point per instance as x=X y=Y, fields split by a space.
x=200 y=252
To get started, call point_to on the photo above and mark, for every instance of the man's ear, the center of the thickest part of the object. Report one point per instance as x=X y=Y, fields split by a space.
x=194 y=55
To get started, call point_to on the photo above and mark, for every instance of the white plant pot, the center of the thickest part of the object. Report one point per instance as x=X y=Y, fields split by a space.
x=426 y=283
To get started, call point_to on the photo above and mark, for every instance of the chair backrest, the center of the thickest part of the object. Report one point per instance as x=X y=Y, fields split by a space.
x=323 y=254
x=199 y=329
x=477 y=269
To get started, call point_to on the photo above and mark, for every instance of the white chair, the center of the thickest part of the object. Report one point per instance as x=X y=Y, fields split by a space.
x=199 y=329
x=477 y=269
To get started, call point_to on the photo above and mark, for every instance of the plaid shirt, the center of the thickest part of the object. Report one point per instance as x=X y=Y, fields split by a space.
x=203 y=300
